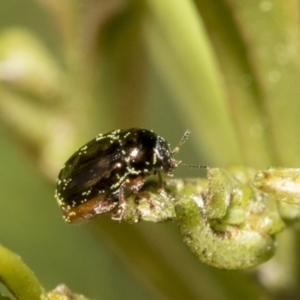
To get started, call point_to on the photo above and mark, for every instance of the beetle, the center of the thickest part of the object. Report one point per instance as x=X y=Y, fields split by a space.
x=96 y=178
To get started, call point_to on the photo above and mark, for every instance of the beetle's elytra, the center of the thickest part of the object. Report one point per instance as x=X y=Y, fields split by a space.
x=96 y=177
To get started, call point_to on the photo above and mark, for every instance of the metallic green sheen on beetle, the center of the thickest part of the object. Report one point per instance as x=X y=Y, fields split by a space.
x=96 y=178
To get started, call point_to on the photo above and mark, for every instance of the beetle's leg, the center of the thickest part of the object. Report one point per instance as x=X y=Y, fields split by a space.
x=160 y=184
x=121 y=206
x=135 y=184
x=161 y=189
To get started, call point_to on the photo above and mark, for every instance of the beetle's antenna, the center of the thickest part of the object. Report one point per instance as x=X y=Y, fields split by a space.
x=182 y=141
x=176 y=149
x=194 y=166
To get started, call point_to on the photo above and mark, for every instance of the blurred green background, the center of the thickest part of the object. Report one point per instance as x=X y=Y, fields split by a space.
x=227 y=70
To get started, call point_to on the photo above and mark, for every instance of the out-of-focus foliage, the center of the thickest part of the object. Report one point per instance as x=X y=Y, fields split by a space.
x=228 y=70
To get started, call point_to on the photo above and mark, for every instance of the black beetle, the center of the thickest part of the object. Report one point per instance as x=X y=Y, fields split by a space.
x=95 y=178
